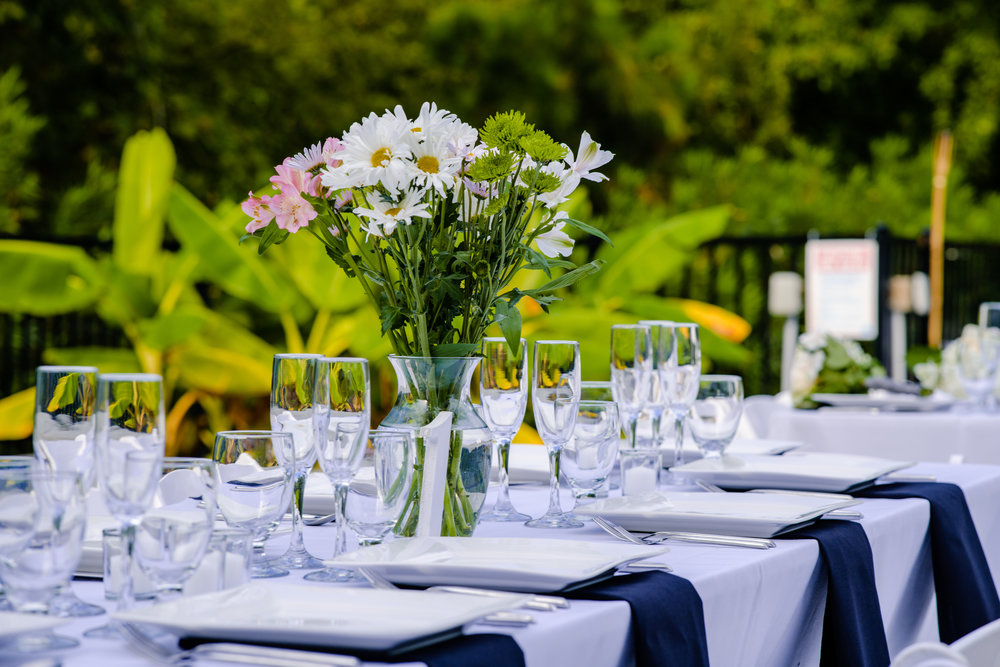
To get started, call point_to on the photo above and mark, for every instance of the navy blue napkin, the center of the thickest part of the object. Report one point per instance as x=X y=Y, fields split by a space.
x=853 y=633
x=668 y=624
x=966 y=595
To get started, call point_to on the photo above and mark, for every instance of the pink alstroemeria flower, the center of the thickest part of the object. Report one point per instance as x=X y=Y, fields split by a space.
x=258 y=209
x=291 y=211
x=331 y=147
x=292 y=180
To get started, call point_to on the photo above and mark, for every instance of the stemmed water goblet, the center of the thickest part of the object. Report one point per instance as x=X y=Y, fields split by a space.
x=631 y=367
x=715 y=413
x=588 y=457
x=555 y=394
x=679 y=366
x=372 y=509
x=292 y=379
x=503 y=392
x=343 y=418
x=254 y=488
x=65 y=423
x=130 y=444
x=41 y=539
x=174 y=534
x=978 y=357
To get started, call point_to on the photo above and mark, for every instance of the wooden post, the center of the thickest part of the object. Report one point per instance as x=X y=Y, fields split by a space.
x=942 y=165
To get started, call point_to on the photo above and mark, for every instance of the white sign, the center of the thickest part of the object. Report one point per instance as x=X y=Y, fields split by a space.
x=842 y=288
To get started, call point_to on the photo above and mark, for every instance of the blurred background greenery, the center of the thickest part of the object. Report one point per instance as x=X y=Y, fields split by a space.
x=728 y=119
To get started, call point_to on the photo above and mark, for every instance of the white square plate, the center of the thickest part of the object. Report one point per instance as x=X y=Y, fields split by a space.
x=13 y=624
x=507 y=563
x=805 y=471
x=322 y=616
x=743 y=514
x=885 y=401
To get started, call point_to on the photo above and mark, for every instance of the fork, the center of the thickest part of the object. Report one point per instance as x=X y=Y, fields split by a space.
x=243 y=654
x=506 y=618
x=699 y=538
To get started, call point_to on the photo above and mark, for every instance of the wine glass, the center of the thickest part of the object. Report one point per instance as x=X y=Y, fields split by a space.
x=41 y=539
x=588 y=457
x=24 y=464
x=253 y=487
x=596 y=390
x=503 y=391
x=631 y=367
x=679 y=365
x=715 y=413
x=374 y=504
x=656 y=403
x=63 y=439
x=978 y=358
x=343 y=418
x=555 y=394
x=130 y=444
x=173 y=536
x=292 y=379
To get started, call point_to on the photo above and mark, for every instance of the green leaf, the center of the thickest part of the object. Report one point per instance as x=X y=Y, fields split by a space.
x=108 y=359
x=47 y=279
x=508 y=318
x=567 y=278
x=454 y=350
x=65 y=392
x=272 y=234
x=144 y=180
x=590 y=229
x=167 y=330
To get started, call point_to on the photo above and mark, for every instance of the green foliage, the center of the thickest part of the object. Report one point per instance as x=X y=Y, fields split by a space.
x=19 y=187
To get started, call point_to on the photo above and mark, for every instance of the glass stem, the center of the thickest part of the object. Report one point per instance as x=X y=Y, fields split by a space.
x=296 y=545
x=632 y=425
x=555 y=508
x=503 y=460
x=340 y=490
x=657 y=418
x=126 y=596
x=678 y=440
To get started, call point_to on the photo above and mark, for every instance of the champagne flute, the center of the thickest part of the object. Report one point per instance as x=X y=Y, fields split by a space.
x=174 y=534
x=130 y=444
x=292 y=379
x=555 y=395
x=343 y=418
x=41 y=540
x=715 y=413
x=631 y=367
x=254 y=488
x=503 y=392
x=63 y=439
x=656 y=404
x=679 y=361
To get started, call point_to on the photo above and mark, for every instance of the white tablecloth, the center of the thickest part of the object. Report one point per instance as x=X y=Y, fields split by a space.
x=956 y=435
x=761 y=607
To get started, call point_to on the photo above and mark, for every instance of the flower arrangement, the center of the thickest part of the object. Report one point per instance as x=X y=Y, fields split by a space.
x=435 y=218
x=944 y=374
x=825 y=364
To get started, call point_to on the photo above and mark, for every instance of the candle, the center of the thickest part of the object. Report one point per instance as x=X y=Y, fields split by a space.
x=638 y=480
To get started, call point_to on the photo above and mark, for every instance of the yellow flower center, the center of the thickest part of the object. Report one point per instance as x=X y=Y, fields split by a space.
x=393 y=212
x=428 y=163
x=381 y=155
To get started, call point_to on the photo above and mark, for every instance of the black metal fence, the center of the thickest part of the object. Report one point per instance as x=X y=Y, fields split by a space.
x=729 y=272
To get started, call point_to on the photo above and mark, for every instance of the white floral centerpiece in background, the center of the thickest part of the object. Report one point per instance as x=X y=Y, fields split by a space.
x=944 y=374
x=829 y=365
x=435 y=218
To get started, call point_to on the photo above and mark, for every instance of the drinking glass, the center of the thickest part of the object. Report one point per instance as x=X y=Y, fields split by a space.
x=503 y=391
x=343 y=418
x=44 y=515
x=679 y=366
x=292 y=379
x=130 y=444
x=555 y=395
x=254 y=488
x=172 y=538
x=656 y=403
x=631 y=367
x=373 y=507
x=715 y=413
x=596 y=390
x=977 y=365
x=588 y=457
x=63 y=439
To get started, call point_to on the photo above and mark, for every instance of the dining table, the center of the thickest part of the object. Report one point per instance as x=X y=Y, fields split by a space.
x=761 y=607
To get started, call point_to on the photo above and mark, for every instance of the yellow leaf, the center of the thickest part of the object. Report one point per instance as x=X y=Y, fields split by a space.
x=16 y=415
x=721 y=322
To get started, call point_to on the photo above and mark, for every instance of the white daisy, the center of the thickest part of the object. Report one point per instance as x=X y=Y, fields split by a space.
x=432 y=122
x=555 y=242
x=384 y=216
x=588 y=158
x=373 y=153
x=461 y=138
x=309 y=158
x=432 y=165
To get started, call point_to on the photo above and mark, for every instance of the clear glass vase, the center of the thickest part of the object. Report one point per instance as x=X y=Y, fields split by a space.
x=428 y=386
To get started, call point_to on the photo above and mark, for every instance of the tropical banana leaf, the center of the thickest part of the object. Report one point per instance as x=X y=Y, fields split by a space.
x=222 y=370
x=16 y=415
x=107 y=359
x=144 y=182
x=46 y=278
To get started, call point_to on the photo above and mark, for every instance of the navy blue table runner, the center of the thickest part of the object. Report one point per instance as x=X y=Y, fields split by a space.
x=668 y=623
x=966 y=595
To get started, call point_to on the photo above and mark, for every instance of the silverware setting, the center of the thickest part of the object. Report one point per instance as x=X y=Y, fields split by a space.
x=622 y=533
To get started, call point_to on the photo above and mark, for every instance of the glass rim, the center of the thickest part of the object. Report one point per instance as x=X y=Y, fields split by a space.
x=557 y=342
x=329 y=360
x=623 y=325
x=422 y=357
x=174 y=460
x=129 y=377
x=657 y=323
x=297 y=355
x=594 y=401
x=711 y=377
x=48 y=368
x=595 y=383
x=495 y=339
x=251 y=433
